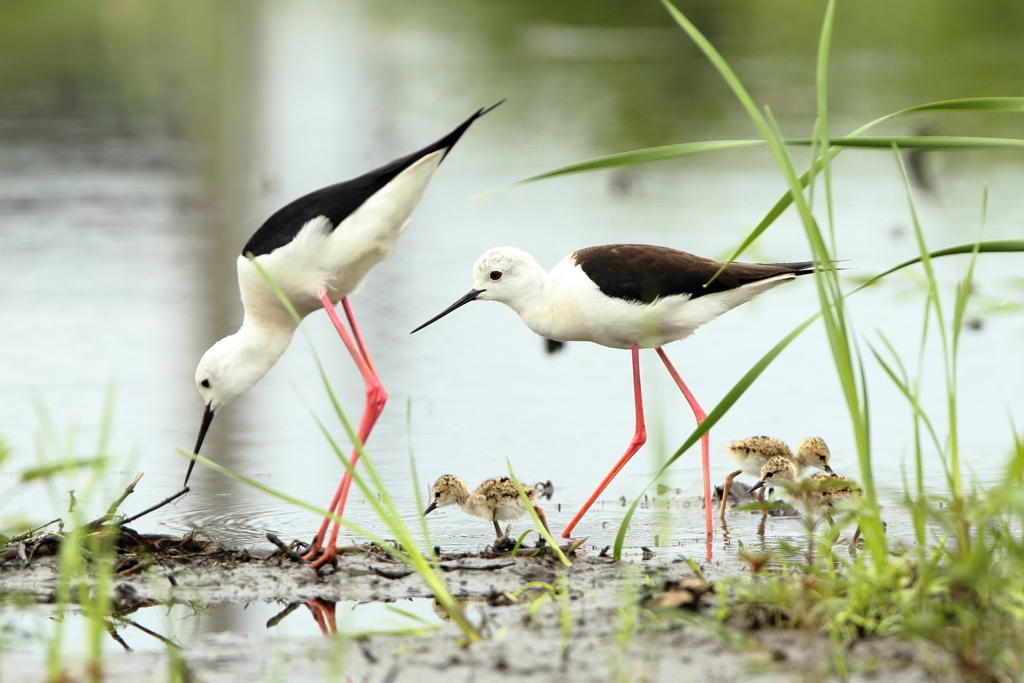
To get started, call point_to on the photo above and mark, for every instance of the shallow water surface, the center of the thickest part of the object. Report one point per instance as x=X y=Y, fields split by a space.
x=126 y=194
x=155 y=628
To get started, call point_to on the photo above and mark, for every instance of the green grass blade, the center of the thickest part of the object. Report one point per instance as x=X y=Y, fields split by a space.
x=48 y=470
x=988 y=104
x=824 y=46
x=642 y=156
x=935 y=143
x=902 y=383
x=963 y=290
x=416 y=492
x=985 y=247
x=1005 y=104
x=536 y=520
x=728 y=75
x=982 y=104
x=385 y=507
x=936 y=305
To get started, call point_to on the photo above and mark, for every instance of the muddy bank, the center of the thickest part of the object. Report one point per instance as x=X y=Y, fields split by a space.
x=627 y=621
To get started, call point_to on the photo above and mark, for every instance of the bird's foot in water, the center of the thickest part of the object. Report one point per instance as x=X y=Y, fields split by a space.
x=329 y=556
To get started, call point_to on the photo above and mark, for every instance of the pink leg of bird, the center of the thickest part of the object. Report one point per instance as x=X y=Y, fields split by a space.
x=705 y=441
x=323 y=614
x=376 y=397
x=639 y=437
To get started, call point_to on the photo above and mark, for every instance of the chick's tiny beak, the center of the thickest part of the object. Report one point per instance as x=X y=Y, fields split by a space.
x=473 y=293
x=756 y=486
x=828 y=468
x=430 y=508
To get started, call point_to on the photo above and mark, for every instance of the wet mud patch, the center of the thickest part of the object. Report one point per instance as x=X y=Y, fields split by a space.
x=262 y=615
x=179 y=569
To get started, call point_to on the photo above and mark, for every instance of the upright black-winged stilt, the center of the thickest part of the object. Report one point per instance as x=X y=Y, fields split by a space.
x=624 y=296
x=317 y=250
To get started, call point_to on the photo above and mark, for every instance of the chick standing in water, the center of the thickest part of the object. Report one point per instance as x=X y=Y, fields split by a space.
x=816 y=495
x=496 y=500
x=751 y=454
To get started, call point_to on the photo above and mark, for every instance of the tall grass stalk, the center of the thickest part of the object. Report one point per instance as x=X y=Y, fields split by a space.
x=950 y=346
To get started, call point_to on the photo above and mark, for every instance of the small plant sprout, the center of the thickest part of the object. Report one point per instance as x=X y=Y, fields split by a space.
x=558 y=592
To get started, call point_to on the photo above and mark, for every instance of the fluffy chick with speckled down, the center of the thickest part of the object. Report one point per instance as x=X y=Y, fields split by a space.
x=814 y=496
x=495 y=499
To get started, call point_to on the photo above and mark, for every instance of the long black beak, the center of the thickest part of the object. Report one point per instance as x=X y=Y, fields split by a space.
x=756 y=486
x=829 y=470
x=207 y=419
x=473 y=293
x=433 y=503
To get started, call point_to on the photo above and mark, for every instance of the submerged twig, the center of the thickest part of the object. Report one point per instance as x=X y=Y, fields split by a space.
x=393 y=573
x=117 y=637
x=159 y=505
x=151 y=632
x=279 y=617
x=485 y=567
x=285 y=549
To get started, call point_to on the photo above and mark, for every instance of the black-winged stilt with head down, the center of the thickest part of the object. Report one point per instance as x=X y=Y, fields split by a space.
x=317 y=250
x=624 y=296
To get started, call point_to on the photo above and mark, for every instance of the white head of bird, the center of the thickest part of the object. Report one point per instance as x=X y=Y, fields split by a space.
x=509 y=275
x=504 y=274
x=234 y=365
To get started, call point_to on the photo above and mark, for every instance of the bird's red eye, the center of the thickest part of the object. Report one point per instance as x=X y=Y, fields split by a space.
x=495 y=274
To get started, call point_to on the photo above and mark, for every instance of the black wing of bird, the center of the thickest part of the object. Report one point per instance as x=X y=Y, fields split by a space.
x=337 y=201
x=644 y=273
